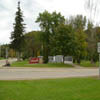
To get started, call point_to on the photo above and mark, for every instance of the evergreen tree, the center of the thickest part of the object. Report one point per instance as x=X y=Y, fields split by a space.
x=17 y=36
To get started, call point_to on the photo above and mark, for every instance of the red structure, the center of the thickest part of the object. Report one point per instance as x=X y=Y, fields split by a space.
x=34 y=60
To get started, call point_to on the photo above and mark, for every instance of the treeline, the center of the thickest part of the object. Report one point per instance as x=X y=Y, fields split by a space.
x=6 y=51
x=75 y=36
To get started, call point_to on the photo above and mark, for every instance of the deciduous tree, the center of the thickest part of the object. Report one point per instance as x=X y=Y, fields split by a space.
x=48 y=22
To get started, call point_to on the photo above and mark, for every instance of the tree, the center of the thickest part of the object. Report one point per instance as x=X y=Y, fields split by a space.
x=12 y=53
x=81 y=45
x=92 y=7
x=45 y=20
x=17 y=36
x=79 y=24
x=48 y=22
x=32 y=44
x=3 y=50
x=63 y=42
x=92 y=40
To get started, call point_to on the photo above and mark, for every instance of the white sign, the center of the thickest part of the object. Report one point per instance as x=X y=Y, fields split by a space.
x=99 y=47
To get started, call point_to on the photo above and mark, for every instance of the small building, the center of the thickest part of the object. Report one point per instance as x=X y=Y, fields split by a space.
x=59 y=59
x=68 y=60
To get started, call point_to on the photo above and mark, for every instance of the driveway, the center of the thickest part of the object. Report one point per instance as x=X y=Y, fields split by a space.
x=45 y=73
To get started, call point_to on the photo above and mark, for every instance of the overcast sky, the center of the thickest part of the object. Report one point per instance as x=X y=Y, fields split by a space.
x=31 y=9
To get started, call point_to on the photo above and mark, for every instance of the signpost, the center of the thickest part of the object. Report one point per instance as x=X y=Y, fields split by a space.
x=99 y=56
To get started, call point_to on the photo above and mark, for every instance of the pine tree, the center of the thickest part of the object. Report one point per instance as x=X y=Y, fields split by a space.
x=17 y=36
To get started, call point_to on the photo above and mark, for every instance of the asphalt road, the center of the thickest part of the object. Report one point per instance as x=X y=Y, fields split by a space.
x=45 y=73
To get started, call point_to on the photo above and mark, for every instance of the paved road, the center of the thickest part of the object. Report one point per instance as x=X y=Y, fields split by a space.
x=45 y=73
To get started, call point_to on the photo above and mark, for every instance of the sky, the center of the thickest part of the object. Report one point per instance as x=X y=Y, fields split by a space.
x=31 y=10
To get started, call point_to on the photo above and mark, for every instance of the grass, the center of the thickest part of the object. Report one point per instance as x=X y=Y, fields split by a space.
x=26 y=64
x=1 y=58
x=88 y=64
x=55 y=89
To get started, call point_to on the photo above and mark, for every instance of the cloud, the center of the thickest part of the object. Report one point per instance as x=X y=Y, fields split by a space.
x=8 y=9
x=31 y=9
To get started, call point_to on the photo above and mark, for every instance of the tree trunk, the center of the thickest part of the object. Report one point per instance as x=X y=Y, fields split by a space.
x=18 y=56
x=92 y=61
x=74 y=60
x=63 y=59
x=45 y=54
x=78 y=61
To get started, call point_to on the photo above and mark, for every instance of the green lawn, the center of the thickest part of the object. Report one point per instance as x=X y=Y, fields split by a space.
x=1 y=58
x=55 y=89
x=26 y=64
x=88 y=64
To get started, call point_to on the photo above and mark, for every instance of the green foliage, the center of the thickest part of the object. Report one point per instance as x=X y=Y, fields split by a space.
x=45 y=19
x=79 y=23
x=62 y=43
x=3 y=50
x=32 y=44
x=1 y=58
x=61 y=39
x=48 y=22
x=92 y=38
x=17 y=36
x=81 y=45
x=74 y=37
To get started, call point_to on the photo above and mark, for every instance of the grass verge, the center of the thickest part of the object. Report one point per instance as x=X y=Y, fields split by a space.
x=54 y=89
x=1 y=58
x=26 y=64
x=88 y=64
